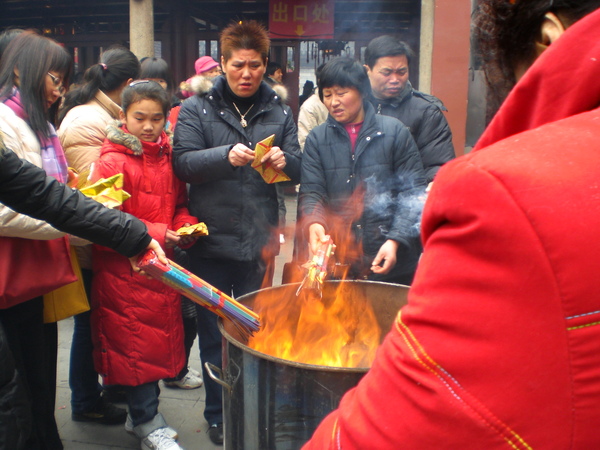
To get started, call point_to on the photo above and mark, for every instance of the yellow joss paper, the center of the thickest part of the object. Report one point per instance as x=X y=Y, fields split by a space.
x=269 y=174
x=108 y=191
x=198 y=229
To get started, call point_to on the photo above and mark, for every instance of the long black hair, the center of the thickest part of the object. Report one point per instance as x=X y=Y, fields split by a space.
x=116 y=65
x=506 y=32
x=33 y=56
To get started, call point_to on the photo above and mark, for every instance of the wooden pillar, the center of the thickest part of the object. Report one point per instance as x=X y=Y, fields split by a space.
x=141 y=27
x=444 y=60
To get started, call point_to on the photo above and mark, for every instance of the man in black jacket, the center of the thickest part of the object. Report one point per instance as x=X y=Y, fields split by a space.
x=387 y=62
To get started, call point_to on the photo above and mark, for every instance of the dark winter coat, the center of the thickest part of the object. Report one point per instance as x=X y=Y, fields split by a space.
x=422 y=115
x=137 y=325
x=387 y=165
x=239 y=208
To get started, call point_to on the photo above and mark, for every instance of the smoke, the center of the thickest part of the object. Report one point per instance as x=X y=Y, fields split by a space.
x=401 y=194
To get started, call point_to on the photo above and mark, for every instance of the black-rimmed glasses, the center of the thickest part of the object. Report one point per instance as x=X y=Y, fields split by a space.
x=57 y=83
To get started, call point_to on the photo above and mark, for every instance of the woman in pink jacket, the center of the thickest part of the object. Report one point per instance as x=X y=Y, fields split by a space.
x=499 y=345
x=86 y=111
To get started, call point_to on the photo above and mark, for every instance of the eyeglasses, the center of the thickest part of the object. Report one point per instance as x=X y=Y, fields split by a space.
x=57 y=83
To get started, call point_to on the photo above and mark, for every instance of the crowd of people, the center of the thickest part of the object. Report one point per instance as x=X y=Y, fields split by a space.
x=501 y=298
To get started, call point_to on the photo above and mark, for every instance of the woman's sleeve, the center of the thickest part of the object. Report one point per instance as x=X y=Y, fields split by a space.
x=313 y=189
x=13 y=224
x=411 y=179
x=193 y=162
x=291 y=148
x=27 y=189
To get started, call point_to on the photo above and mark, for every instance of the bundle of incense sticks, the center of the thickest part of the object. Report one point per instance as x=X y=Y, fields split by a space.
x=199 y=291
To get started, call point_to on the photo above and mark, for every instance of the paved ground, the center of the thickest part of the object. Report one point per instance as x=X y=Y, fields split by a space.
x=182 y=409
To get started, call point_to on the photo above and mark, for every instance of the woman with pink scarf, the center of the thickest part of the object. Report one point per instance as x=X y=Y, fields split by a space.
x=33 y=75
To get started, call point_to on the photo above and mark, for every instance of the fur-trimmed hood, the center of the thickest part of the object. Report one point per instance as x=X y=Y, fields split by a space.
x=118 y=140
x=281 y=91
x=201 y=85
x=116 y=135
x=197 y=84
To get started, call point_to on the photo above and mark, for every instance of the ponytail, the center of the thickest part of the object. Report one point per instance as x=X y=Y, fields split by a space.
x=116 y=66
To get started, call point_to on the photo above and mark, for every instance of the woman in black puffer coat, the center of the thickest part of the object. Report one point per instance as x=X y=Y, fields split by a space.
x=363 y=181
x=213 y=151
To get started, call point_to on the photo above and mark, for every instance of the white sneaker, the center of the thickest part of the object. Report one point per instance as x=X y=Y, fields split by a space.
x=170 y=432
x=158 y=440
x=190 y=381
x=194 y=372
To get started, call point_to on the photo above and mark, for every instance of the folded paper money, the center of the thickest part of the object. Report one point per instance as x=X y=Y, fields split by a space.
x=108 y=191
x=198 y=229
x=269 y=174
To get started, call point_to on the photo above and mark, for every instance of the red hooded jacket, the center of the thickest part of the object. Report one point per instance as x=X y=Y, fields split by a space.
x=138 y=330
x=499 y=345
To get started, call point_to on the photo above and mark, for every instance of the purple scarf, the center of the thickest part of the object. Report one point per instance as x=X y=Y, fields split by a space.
x=53 y=156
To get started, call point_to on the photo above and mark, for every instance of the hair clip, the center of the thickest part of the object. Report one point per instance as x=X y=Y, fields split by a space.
x=136 y=82
x=104 y=67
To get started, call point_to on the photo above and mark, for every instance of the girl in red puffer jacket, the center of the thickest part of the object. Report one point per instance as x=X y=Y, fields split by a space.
x=136 y=322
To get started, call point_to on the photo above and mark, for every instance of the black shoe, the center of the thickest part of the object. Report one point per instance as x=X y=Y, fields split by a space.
x=115 y=394
x=215 y=433
x=104 y=413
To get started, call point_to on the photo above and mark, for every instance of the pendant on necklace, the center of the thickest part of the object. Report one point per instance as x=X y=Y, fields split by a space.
x=243 y=122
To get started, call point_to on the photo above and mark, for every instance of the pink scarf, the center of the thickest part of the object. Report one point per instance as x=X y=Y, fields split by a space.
x=53 y=156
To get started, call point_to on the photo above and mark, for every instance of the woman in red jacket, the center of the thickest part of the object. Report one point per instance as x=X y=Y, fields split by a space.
x=137 y=323
x=499 y=345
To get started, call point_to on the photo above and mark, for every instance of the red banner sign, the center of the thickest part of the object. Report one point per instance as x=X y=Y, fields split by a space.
x=301 y=19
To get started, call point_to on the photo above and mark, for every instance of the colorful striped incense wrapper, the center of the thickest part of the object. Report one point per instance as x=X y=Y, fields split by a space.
x=199 y=291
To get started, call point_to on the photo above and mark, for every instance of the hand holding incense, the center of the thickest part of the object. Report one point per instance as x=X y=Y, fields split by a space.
x=317 y=268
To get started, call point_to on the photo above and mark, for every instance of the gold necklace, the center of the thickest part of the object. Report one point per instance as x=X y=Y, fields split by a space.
x=243 y=116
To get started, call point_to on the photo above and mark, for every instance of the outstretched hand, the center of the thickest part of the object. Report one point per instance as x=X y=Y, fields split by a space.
x=160 y=254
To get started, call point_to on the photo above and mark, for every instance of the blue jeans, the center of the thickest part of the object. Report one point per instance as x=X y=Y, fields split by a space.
x=234 y=278
x=143 y=408
x=83 y=378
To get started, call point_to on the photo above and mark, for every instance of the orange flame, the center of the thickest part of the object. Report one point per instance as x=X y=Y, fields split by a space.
x=339 y=330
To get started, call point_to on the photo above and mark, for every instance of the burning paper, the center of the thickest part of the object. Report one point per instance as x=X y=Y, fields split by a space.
x=317 y=268
x=108 y=191
x=269 y=174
